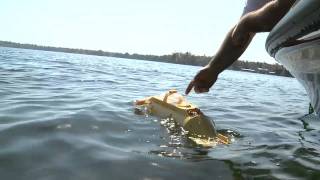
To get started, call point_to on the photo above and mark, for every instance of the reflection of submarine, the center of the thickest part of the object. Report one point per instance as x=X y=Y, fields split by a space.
x=200 y=129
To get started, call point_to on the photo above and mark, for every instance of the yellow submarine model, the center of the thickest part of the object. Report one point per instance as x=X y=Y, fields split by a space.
x=201 y=130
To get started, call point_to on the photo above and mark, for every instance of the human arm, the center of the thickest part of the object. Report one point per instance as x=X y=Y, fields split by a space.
x=237 y=41
x=228 y=53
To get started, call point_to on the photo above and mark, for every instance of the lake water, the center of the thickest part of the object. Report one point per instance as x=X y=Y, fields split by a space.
x=68 y=116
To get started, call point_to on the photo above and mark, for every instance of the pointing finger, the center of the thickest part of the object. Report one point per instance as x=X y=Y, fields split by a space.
x=189 y=88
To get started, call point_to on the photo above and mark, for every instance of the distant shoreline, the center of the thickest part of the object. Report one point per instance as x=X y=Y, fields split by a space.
x=176 y=58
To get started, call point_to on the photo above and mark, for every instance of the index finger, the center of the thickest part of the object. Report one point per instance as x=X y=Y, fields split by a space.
x=189 y=88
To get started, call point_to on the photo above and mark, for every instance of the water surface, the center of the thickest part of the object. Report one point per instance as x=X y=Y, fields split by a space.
x=69 y=116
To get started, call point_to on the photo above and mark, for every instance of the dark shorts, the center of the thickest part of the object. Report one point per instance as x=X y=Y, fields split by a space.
x=253 y=5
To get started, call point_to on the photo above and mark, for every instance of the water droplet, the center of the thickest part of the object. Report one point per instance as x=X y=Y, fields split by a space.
x=64 y=126
x=95 y=127
x=154 y=164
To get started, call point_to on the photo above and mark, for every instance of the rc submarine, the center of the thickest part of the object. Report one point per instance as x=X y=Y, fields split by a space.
x=200 y=129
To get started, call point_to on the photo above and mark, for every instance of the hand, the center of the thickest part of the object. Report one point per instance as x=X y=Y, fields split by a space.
x=203 y=80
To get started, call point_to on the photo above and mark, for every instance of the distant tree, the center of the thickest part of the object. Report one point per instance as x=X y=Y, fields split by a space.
x=178 y=58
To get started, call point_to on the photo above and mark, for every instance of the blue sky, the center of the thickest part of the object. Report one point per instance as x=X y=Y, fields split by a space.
x=134 y=26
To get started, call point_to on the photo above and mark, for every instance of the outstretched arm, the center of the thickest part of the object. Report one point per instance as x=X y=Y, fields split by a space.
x=237 y=41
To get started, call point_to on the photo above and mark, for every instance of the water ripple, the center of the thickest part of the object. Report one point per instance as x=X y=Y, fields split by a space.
x=68 y=116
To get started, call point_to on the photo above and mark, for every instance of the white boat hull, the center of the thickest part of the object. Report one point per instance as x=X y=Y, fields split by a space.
x=303 y=62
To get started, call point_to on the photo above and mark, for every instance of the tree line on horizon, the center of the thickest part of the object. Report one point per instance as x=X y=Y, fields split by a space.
x=176 y=58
